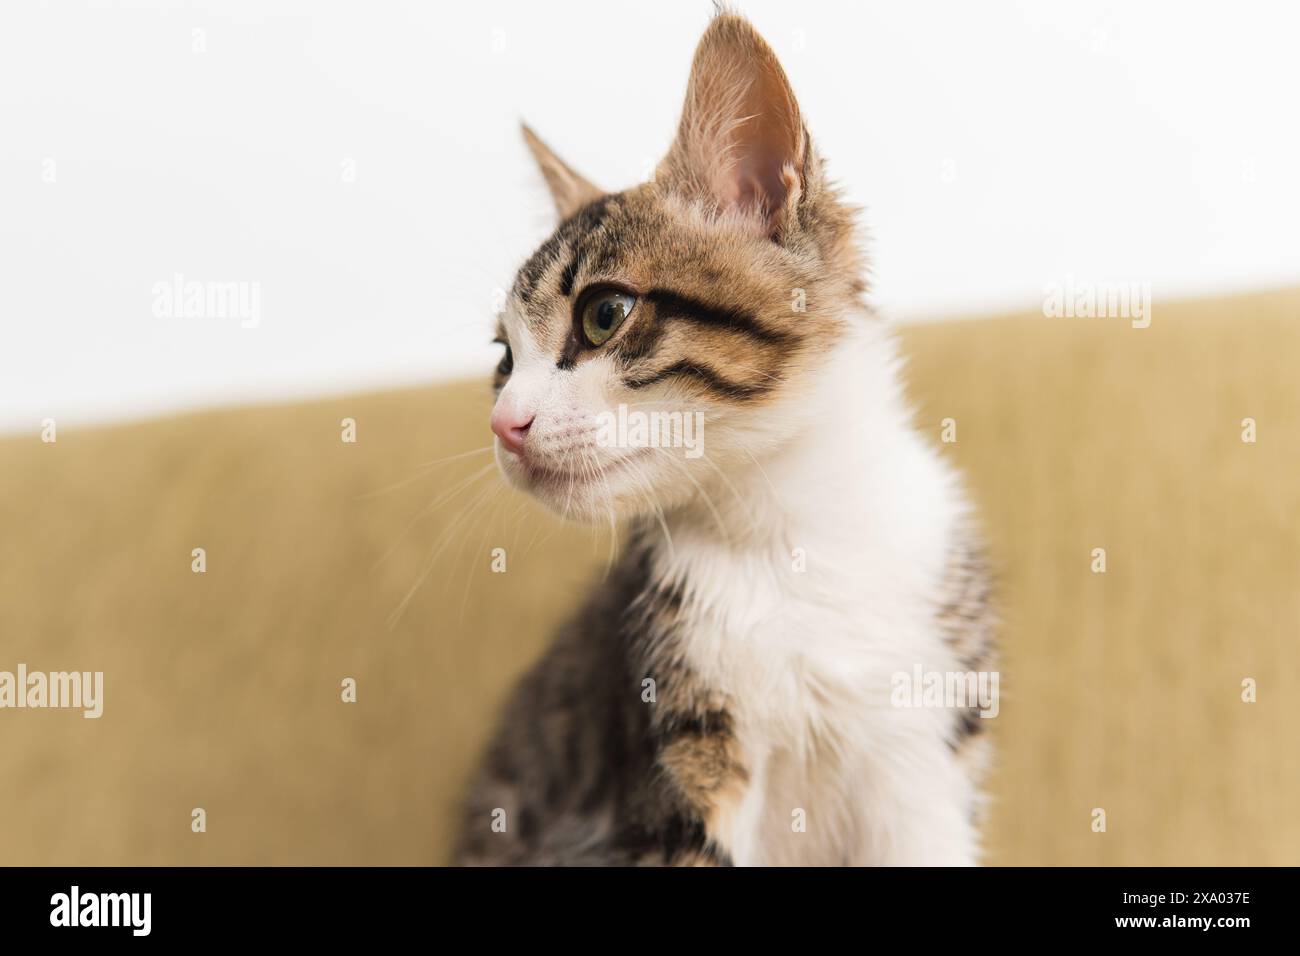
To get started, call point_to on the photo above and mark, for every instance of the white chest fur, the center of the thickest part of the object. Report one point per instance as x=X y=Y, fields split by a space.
x=803 y=623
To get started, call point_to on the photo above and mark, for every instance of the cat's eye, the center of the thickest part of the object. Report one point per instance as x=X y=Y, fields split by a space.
x=507 y=363
x=602 y=312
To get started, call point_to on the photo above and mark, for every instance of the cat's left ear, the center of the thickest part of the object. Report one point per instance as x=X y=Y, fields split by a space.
x=741 y=143
x=570 y=190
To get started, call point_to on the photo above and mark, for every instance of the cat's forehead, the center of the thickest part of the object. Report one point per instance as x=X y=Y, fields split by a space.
x=643 y=239
x=596 y=237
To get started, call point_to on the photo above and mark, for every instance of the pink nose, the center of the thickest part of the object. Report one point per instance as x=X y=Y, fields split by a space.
x=511 y=424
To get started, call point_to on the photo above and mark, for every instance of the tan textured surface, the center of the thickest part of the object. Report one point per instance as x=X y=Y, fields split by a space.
x=1121 y=690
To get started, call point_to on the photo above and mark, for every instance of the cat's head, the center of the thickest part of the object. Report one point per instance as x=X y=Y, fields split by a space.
x=666 y=335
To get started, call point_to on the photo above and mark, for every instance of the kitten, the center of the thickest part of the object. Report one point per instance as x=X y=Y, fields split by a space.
x=726 y=694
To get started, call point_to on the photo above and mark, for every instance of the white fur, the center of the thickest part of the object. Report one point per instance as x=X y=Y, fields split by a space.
x=807 y=658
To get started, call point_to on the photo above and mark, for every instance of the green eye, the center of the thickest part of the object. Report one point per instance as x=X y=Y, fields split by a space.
x=603 y=313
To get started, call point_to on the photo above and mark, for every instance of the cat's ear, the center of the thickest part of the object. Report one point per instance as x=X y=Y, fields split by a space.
x=741 y=143
x=570 y=190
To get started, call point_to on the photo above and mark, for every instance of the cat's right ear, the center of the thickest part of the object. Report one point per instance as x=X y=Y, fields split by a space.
x=570 y=190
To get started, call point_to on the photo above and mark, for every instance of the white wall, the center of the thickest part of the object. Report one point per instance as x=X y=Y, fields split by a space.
x=997 y=146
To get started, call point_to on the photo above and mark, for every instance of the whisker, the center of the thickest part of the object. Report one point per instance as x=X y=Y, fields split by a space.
x=469 y=571
x=639 y=473
x=464 y=454
x=445 y=538
x=609 y=507
x=775 y=495
x=708 y=500
x=430 y=508
x=425 y=468
x=740 y=500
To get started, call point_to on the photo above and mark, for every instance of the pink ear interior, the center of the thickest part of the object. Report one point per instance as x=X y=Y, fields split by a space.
x=755 y=181
x=740 y=142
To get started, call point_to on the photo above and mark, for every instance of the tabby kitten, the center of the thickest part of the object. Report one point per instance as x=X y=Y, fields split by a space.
x=725 y=694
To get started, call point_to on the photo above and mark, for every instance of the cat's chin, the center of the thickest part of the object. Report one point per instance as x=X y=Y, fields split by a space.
x=591 y=494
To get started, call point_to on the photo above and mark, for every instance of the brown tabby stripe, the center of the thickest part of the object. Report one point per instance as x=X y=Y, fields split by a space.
x=674 y=305
x=571 y=271
x=737 y=391
x=643 y=338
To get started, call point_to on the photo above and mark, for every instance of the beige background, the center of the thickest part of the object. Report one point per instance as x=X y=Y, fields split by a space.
x=1120 y=691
